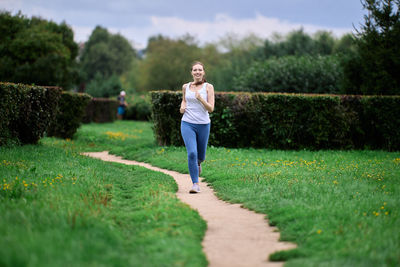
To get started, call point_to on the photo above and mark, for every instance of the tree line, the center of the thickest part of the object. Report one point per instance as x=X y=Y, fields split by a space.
x=37 y=51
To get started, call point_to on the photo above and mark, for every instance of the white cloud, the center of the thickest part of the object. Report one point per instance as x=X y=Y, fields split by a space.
x=209 y=31
x=139 y=27
x=11 y=4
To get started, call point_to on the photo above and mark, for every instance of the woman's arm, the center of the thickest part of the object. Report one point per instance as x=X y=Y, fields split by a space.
x=183 y=104
x=209 y=104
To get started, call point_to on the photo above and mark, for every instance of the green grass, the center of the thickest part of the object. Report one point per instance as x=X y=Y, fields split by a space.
x=340 y=207
x=62 y=209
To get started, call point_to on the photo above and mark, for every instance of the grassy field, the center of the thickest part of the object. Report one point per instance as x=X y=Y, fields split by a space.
x=340 y=207
x=62 y=209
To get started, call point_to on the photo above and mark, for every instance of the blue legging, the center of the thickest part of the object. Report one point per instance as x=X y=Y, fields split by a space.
x=195 y=137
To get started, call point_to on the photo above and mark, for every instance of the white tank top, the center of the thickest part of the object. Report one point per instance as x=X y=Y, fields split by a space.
x=195 y=112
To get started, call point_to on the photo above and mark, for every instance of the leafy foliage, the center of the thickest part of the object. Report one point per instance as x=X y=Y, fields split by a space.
x=100 y=86
x=167 y=63
x=139 y=108
x=294 y=74
x=105 y=55
x=377 y=61
x=299 y=43
x=36 y=51
x=236 y=57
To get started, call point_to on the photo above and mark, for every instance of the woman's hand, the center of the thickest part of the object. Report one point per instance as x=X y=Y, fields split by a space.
x=182 y=110
x=198 y=96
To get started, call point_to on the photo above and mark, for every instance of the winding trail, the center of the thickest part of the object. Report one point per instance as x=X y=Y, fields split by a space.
x=235 y=236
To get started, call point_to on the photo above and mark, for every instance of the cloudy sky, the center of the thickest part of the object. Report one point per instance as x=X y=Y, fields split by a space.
x=207 y=20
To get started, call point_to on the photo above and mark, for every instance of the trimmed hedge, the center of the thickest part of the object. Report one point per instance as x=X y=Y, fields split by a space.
x=70 y=111
x=381 y=122
x=101 y=110
x=288 y=121
x=166 y=117
x=26 y=112
x=139 y=110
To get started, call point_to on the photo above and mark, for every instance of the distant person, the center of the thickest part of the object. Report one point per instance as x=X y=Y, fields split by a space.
x=197 y=102
x=122 y=105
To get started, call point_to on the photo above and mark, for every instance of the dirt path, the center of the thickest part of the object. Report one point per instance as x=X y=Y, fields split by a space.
x=235 y=236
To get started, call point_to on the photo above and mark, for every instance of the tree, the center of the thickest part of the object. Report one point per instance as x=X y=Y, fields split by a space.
x=106 y=54
x=379 y=48
x=167 y=63
x=345 y=45
x=104 y=87
x=324 y=43
x=297 y=43
x=293 y=74
x=37 y=51
x=300 y=43
x=240 y=54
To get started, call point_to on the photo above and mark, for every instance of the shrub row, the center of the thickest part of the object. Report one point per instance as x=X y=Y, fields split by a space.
x=288 y=121
x=29 y=112
x=70 y=111
x=139 y=109
x=101 y=110
x=26 y=112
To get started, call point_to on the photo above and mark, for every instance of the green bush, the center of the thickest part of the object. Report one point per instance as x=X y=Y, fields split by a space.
x=101 y=110
x=278 y=121
x=104 y=87
x=381 y=122
x=26 y=112
x=166 y=117
x=11 y=99
x=139 y=108
x=293 y=74
x=288 y=121
x=71 y=109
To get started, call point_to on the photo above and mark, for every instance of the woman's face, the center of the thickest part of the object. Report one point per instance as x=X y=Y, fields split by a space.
x=198 y=72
